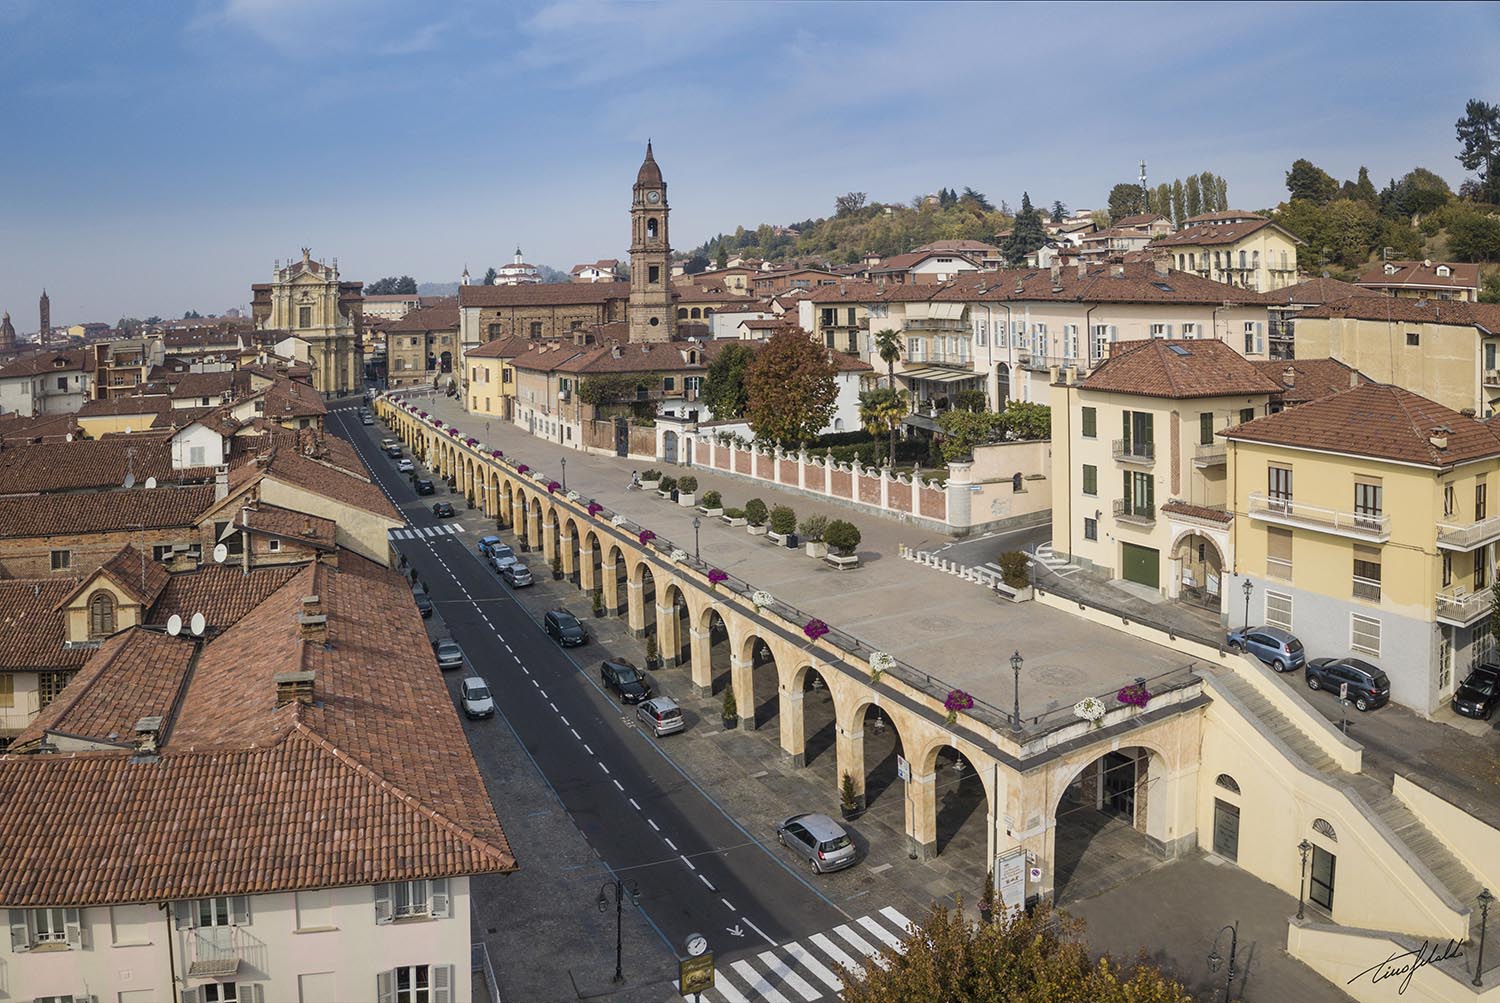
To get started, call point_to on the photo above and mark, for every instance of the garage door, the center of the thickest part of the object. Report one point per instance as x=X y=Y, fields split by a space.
x=1140 y=564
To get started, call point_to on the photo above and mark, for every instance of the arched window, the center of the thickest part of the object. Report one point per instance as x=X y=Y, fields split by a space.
x=682 y=313
x=1322 y=827
x=101 y=614
x=1228 y=783
x=651 y=229
x=696 y=313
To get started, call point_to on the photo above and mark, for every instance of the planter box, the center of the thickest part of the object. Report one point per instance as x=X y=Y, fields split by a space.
x=789 y=540
x=730 y=723
x=649 y=485
x=687 y=499
x=816 y=549
x=756 y=530
x=733 y=522
x=1011 y=594
x=712 y=513
x=843 y=563
x=776 y=538
x=664 y=494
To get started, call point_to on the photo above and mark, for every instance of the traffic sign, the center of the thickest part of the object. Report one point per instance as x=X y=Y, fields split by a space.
x=903 y=768
x=1343 y=691
x=695 y=975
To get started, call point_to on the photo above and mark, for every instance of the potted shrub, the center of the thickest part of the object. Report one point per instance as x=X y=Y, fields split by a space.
x=811 y=530
x=848 y=797
x=687 y=491
x=734 y=516
x=711 y=504
x=598 y=604
x=667 y=488
x=987 y=897
x=755 y=517
x=730 y=712
x=651 y=480
x=653 y=654
x=843 y=540
x=1015 y=576
x=784 y=526
x=557 y=569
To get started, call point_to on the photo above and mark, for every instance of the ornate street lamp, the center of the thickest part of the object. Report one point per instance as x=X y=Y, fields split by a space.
x=620 y=892
x=697 y=524
x=1485 y=898
x=1015 y=719
x=1214 y=960
x=1248 y=587
x=1303 y=848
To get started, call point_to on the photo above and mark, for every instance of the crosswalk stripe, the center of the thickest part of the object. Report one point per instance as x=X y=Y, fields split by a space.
x=835 y=952
x=902 y=923
x=879 y=931
x=429 y=532
x=788 y=976
x=860 y=944
x=812 y=964
x=454 y=528
x=758 y=982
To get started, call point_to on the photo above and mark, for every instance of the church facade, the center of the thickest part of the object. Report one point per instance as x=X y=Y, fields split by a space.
x=307 y=299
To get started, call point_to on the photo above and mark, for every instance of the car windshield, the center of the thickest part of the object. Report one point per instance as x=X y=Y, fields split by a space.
x=566 y=621
x=479 y=693
x=623 y=673
x=503 y=551
x=1484 y=685
x=837 y=843
x=448 y=648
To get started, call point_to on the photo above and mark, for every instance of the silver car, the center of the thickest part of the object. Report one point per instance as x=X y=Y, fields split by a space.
x=661 y=715
x=516 y=575
x=819 y=839
x=476 y=698
x=500 y=555
x=449 y=655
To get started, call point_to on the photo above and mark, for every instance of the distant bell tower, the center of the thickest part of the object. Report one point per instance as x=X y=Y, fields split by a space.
x=7 y=335
x=650 y=315
x=45 y=308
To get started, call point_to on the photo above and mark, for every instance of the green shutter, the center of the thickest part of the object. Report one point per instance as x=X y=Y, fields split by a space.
x=1090 y=479
x=1206 y=427
x=1125 y=428
x=1090 y=423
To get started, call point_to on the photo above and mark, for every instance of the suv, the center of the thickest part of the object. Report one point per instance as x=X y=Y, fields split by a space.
x=477 y=701
x=1369 y=687
x=819 y=840
x=516 y=575
x=1477 y=695
x=1278 y=648
x=443 y=510
x=564 y=628
x=449 y=655
x=661 y=715
x=626 y=680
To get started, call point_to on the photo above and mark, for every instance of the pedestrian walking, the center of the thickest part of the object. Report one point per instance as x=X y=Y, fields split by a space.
x=635 y=482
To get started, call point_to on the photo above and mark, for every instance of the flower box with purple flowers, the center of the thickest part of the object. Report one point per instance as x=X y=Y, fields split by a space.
x=1134 y=695
x=814 y=629
x=595 y=508
x=647 y=536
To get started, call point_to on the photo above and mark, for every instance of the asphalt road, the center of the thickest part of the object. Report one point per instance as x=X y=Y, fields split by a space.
x=698 y=869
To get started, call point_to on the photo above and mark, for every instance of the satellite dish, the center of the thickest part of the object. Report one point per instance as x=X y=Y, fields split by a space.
x=129 y=482
x=150 y=483
x=220 y=552
x=174 y=625
x=198 y=624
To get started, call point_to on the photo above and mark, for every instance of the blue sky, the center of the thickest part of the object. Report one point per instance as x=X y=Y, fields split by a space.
x=158 y=157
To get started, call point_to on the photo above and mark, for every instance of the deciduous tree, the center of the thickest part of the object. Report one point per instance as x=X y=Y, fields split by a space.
x=1192 y=197
x=1126 y=199
x=1474 y=236
x=848 y=202
x=392 y=285
x=724 y=384
x=1179 y=205
x=1308 y=181
x=790 y=389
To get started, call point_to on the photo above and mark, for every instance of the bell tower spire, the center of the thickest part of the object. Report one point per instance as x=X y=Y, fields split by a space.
x=650 y=315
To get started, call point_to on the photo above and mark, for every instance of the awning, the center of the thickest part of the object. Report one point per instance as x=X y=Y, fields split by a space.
x=916 y=310
x=923 y=422
x=947 y=311
x=938 y=374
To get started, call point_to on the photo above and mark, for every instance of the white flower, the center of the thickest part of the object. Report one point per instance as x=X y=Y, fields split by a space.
x=617 y=519
x=1090 y=709
x=762 y=598
x=573 y=496
x=882 y=661
x=679 y=554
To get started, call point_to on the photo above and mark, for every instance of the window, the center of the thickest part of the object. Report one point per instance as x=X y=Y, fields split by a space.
x=1279 y=552
x=1206 y=428
x=1481 y=569
x=1090 y=479
x=1140 y=494
x=535 y=328
x=7 y=690
x=1450 y=502
x=62 y=560
x=406 y=899
x=222 y=992
x=1190 y=331
x=213 y=912
x=1481 y=500
x=1253 y=337
x=34 y=927
x=50 y=685
x=1091 y=529
x=415 y=984
x=1227 y=782
x=101 y=614
x=1279 y=483
x=1320 y=879
x=1367 y=573
x=273 y=546
x=1368 y=500
x=196 y=456
x=1137 y=431
x=1279 y=609
x=493 y=330
x=304 y=316
x=653 y=274
x=62 y=383
x=1413 y=339
x=1090 y=423
x=668 y=383
x=1447 y=568
x=1247 y=414
x=1364 y=634
x=1161 y=330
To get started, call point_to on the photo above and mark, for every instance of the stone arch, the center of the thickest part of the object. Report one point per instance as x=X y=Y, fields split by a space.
x=1122 y=798
x=673 y=625
x=612 y=574
x=869 y=738
x=751 y=651
x=571 y=547
x=1198 y=562
x=590 y=560
x=809 y=714
x=640 y=594
x=957 y=806
x=521 y=512
x=696 y=313
x=711 y=651
x=507 y=498
x=551 y=534
x=533 y=538
x=682 y=313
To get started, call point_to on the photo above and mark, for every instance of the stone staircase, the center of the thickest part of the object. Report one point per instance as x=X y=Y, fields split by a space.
x=1420 y=841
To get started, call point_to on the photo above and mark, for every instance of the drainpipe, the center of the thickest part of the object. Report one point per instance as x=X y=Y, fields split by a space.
x=1088 y=331
x=166 y=907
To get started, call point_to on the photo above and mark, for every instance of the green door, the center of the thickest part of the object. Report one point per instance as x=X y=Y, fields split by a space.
x=1140 y=564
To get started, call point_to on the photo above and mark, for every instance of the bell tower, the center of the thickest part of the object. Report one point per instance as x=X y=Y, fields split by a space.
x=650 y=314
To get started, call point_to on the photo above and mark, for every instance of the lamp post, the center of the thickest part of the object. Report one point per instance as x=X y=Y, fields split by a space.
x=1485 y=898
x=697 y=524
x=1015 y=719
x=1214 y=960
x=564 y=462
x=620 y=892
x=1247 y=587
x=1303 y=848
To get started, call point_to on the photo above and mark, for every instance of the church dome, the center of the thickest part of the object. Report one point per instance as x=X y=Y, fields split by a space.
x=649 y=173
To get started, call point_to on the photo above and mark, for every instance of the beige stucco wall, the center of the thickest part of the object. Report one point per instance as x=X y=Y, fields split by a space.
x=1445 y=364
x=363 y=532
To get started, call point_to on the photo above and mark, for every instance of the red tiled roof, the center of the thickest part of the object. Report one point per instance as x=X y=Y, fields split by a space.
x=34 y=627
x=128 y=405
x=1178 y=369
x=1318 y=291
x=140 y=578
x=84 y=464
x=1416 y=311
x=500 y=348
x=41 y=362
x=1376 y=420
x=543 y=294
x=1311 y=378
x=1198 y=511
x=223 y=593
x=17 y=430
x=96 y=512
x=272 y=520
x=333 y=482
x=427 y=318
x=1210 y=234
x=1421 y=275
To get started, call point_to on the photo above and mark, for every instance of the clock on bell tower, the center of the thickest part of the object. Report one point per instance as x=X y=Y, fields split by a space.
x=650 y=315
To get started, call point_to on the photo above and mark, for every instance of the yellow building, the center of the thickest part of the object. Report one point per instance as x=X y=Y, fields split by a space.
x=1362 y=523
x=1138 y=467
x=1236 y=248
x=308 y=299
x=1441 y=280
x=423 y=347
x=491 y=379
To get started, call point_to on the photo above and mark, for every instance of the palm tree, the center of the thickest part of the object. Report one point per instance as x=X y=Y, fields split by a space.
x=888 y=347
x=881 y=410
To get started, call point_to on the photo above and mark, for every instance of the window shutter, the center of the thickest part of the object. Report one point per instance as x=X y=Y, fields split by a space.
x=442 y=984
x=190 y=995
x=1260 y=338
x=439 y=896
x=251 y=992
x=384 y=911
x=385 y=987
x=1114 y=333
x=239 y=910
x=182 y=913
x=73 y=925
x=20 y=931
x=1125 y=427
x=1167 y=330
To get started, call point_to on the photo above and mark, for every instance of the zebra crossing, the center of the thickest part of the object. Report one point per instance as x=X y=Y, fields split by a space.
x=797 y=972
x=414 y=532
x=1059 y=566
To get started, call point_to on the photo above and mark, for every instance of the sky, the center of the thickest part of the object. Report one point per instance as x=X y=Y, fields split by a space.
x=160 y=157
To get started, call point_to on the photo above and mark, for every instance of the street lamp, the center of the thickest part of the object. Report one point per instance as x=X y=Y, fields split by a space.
x=1214 y=960
x=1015 y=719
x=697 y=524
x=1303 y=848
x=564 y=462
x=1247 y=587
x=1485 y=898
x=620 y=892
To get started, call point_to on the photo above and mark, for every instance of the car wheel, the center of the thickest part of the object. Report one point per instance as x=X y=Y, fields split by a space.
x=1361 y=705
x=815 y=868
x=1278 y=665
x=1313 y=684
x=1236 y=647
x=781 y=838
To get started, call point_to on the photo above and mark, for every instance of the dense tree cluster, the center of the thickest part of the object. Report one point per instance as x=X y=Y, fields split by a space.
x=392 y=286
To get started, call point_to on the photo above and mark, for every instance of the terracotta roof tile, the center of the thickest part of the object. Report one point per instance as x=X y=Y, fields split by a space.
x=94 y=512
x=427 y=318
x=500 y=348
x=1317 y=291
x=1421 y=275
x=141 y=578
x=273 y=520
x=1402 y=310
x=1214 y=234
x=543 y=294
x=80 y=465
x=1198 y=511
x=324 y=478
x=19 y=430
x=223 y=593
x=41 y=362
x=1311 y=378
x=34 y=627
x=1178 y=369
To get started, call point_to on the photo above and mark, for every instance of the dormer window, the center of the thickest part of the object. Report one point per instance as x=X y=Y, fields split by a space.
x=1444 y=271
x=101 y=614
x=1390 y=269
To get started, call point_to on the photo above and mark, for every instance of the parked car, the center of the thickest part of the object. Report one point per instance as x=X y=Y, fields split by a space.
x=443 y=510
x=564 y=628
x=819 y=840
x=661 y=715
x=449 y=654
x=388 y=442
x=1278 y=648
x=405 y=466
x=1478 y=694
x=1369 y=687
x=393 y=451
x=367 y=419
x=626 y=680
x=486 y=542
x=476 y=699
x=501 y=555
x=425 y=486
x=516 y=575
x=424 y=605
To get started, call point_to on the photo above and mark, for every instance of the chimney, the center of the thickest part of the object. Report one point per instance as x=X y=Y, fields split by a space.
x=1163 y=264
x=221 y=483
x=1289 y=377
x=1438 y=437
x=312 y=622
x=294 y=687
x=1083 y=269
x=1353 y=379
x=1117 y=270
x=147 y=734
x=1056 y=274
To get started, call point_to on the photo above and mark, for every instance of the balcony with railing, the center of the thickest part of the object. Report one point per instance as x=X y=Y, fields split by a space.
x=1367 y=589
x=1133 y=451
x=1460 y=607
x=946 y=325
x=1492 y=377
x=1210 y=454
x=1464 y=536
x=1134 y=513
x=1286 y=512
x=216 y=951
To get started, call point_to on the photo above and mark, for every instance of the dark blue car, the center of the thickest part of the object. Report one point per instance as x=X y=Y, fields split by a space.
x=1278 y=648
